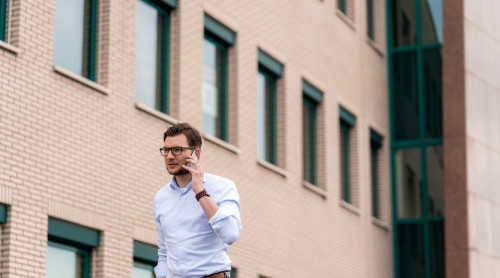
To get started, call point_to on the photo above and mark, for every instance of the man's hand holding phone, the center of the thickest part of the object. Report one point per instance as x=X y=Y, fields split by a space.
x=197 y=175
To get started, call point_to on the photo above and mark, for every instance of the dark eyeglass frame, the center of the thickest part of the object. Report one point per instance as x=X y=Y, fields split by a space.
x=175 y=150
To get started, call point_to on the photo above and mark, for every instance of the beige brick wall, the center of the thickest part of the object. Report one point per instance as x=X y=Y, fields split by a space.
x=89 y=154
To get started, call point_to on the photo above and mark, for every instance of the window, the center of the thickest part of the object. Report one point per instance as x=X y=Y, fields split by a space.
x=145 y=259
x=3 y=19
x=375 y=145
x=217 y=40
x=346 y=7
x=151 y=54
x=370 y=19
x=269 y=71
x=311 y=98
x=69 y=249
x=75 y=36
x=347 y=121
x=233 y=272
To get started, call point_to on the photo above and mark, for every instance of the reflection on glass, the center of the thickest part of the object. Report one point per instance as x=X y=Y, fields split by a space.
x=213 y=89
x=408 y=183
x=64 y=262
x=433 y=93
x=405 y=95
x=435 y=180
x=344 y=161
x=431 y=21
x=436 y=245
x=72 y=35
x=149 y=57
x=411 y=250
x=265 y=117
x=308 y=137
x=142 y=270
x=403 y=22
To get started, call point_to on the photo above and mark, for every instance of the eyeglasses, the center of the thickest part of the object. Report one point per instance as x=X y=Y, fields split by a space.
x=175 y=150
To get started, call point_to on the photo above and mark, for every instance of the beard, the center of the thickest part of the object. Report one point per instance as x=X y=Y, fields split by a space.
x=179 y=172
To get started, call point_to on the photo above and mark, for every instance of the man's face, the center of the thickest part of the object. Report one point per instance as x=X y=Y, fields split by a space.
x=174 y=162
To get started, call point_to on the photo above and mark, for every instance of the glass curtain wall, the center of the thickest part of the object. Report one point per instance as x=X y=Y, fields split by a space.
x=414 y=47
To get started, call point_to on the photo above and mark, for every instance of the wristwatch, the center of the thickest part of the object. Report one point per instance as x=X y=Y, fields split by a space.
x=202 y=193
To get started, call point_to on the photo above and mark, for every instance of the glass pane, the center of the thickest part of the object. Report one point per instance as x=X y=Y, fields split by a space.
x=403 y=22
x=64 y=263
x=435 y=180
x=265 y=118
x=431 y=21
x=405 y=95
x=344 y=162
x=72 y=35
x=411 y=250
x=233 y=272
x=374 y=176
x=408 y=183
x=370 y=20
x=433 y=93
x=149 y=57
x=436 y=245
x=213 y=106
x=142 y=270
x=308 y=137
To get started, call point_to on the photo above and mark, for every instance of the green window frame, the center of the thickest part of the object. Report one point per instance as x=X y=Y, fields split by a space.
x=62 y=43
x=145 y=258
x=75 y=238
x=219 y=38
x=370 y=19
x=152 y=89
x=311 y=98
x=269 y=70
x=342 y=6
x=3 y=19
x=233 y=272
x=375 y=146
x=347 y=121
x=3 y=213
x=83 y=269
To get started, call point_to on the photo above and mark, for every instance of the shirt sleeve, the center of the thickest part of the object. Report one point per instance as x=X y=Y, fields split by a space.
x=161 y=268
x=226 y=222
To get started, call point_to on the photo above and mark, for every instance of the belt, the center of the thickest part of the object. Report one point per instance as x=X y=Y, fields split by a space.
x=223 y=274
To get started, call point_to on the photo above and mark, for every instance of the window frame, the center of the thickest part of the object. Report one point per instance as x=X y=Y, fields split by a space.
x=165 y=11
x=91 y=60
x=77 y=249
x=342 y=6
x=145 y=254
x=347 y=121
x=370 y=19
x=3 y=19
x=312 y=121
x=375 y=147
x=273 y=144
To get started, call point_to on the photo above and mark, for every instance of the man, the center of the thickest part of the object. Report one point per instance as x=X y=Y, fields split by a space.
x=197 y=215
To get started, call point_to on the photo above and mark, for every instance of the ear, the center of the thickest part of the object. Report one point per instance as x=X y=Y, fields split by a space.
x=198 y=153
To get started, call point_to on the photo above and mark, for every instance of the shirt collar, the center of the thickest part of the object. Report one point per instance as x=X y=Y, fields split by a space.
x=176 y=188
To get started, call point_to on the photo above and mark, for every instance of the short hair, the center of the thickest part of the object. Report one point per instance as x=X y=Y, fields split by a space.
x=192 y=134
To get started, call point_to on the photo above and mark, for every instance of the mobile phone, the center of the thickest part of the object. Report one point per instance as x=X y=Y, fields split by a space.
x=195 y=157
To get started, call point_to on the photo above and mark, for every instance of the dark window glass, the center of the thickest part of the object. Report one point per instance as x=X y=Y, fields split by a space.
x=73 y=36
x=374 y=176
x=370 y=20
x=433 y=92
x=266 y=117
x=411 y=250
x=344 y=162
x=405 y=95
x=234 y=272
x=214 y=88
x=150 y=72
x=435 y=180
x=66 y=261
x=342 y=6
x=408 y=183
x=143 y=270
x=309 y=140
x=403 y=21
x=3 y=19
x=436 y=245
x=431 y=21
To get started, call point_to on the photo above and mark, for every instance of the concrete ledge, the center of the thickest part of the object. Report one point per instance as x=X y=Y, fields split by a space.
x=5 y=195
x=315 y=189
x=350 y=207
x=82 y=80
x=272 y=167
x=145 y=235
x=9 y=47
x=375 y=47
x=76 y=215
x=381 y=224
x=346 y=19
x=156 y=113
x=222 y=143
